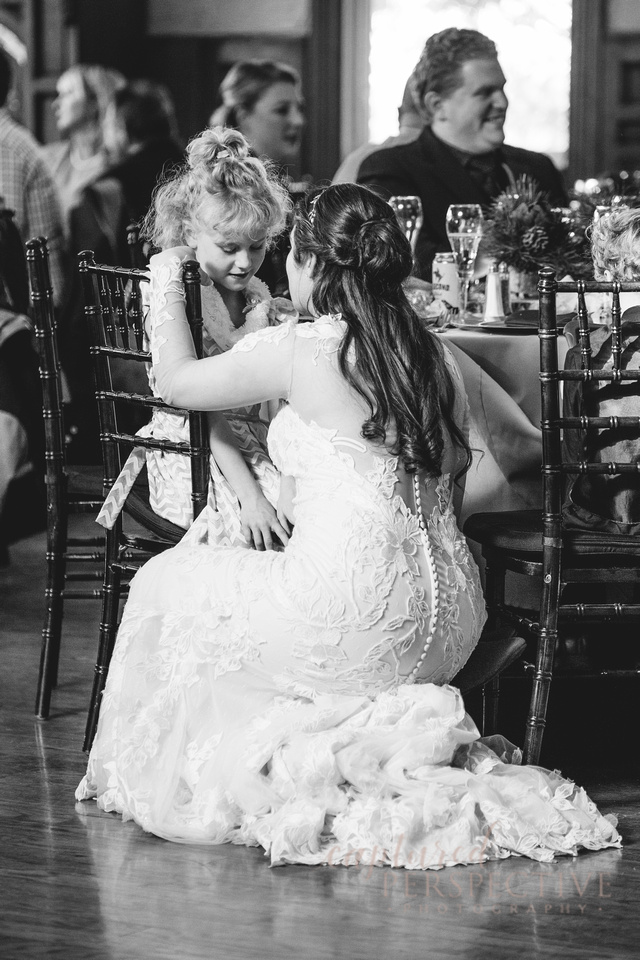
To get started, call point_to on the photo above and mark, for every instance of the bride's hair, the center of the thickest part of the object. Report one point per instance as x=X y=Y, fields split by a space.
x=362 y=258
x=221 y=186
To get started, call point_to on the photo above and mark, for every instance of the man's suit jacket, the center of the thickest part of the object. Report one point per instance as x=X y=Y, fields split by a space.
x=427 y=168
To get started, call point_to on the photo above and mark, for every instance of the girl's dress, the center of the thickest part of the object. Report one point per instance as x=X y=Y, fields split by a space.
x=299 y=700
x=169 y=474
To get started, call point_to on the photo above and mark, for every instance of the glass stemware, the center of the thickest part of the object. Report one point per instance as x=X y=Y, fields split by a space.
x=408 y=211
x=464 y=230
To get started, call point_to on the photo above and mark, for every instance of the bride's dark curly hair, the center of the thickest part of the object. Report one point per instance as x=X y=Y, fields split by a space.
x=362 y=259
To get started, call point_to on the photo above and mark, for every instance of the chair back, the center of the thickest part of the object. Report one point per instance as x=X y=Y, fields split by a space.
x=590 y=423
x=135 y=246
x=115 y=315
x=72 y=560
x=618 y=371
x=44 y=320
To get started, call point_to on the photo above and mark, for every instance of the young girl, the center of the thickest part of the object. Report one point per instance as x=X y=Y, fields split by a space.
x=223 y=208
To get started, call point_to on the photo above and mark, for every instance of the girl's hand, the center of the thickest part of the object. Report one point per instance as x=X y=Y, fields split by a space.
x=260 y=522
x=283 y=310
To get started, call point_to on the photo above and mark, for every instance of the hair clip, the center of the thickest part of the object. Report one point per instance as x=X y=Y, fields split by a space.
x=312 y=208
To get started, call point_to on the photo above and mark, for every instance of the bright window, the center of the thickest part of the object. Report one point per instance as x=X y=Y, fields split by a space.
x=533 y=38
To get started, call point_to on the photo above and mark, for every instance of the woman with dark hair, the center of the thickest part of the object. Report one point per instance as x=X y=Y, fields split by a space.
x=299 y=699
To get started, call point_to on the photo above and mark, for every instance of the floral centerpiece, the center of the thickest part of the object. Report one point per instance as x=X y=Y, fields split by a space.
x=524 y=231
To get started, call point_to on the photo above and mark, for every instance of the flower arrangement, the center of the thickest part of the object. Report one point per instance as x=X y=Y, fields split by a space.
x=524 y=231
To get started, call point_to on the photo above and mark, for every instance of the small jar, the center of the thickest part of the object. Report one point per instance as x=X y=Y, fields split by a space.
x=505 y=288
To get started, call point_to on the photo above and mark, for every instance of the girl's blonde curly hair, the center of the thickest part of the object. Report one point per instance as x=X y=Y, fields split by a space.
x=615 y=245
x=220 y=186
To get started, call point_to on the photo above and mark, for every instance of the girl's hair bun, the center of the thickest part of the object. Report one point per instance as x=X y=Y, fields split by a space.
x=215 y=145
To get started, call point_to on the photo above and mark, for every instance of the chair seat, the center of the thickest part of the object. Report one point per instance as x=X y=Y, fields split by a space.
x=520 y=532
x=85 y=482
x=137 y=507
x=490 y=657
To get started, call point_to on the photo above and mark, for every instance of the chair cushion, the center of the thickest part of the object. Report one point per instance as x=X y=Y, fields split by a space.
x=517 y=531
x=137 y=507
x=488 y=660
x=520 y=532
x=85 y=482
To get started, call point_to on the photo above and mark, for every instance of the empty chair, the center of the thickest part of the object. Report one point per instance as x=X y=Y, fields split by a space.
x=69 y=490
x=576 y=548
x=113 y=311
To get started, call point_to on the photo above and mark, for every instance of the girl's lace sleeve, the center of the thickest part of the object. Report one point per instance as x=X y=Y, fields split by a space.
x=258 y=369
x=166 y=303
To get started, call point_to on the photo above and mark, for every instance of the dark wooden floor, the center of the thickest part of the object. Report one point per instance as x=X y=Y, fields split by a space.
x=77 y=884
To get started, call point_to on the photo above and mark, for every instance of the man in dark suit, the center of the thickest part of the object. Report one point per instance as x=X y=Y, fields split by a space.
x=460 y=157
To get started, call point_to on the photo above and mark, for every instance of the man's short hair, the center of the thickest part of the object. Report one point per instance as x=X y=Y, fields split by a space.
x=6 y=75
x=438 y=68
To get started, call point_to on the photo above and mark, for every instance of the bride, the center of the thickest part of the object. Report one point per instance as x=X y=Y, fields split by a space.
x=298 y=699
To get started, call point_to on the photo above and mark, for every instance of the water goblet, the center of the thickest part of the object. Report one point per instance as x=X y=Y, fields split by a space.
x=464 y=230
x=408 y=211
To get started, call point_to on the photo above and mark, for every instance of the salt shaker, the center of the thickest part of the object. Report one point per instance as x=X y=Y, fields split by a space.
x=493 y=305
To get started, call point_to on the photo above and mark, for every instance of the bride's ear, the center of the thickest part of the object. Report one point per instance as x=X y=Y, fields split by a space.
x=309 y=266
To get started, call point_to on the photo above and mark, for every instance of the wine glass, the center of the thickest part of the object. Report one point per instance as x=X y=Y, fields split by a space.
x=464 y=229
x=408 y=211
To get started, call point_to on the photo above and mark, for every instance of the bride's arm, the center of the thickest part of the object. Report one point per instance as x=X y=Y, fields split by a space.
x=257 y=369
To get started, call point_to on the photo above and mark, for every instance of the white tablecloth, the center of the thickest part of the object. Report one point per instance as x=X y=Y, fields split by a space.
x=501 y=377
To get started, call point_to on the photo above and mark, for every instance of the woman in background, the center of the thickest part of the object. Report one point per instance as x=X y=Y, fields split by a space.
x=75 y=162
x=142 y=146
x=79 y=158
x=263 y=100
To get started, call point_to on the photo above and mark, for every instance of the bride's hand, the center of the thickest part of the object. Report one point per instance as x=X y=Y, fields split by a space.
x=181 y=252
x=260 y=522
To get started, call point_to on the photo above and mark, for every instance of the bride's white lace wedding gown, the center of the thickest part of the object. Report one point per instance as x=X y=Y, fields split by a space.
x=298 y=699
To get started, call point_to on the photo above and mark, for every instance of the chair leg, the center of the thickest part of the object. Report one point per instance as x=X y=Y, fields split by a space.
x=490 y=703
x=547 y=641
x=494 y=593
x=536 y=721
x=108 y=627
x=54 y=599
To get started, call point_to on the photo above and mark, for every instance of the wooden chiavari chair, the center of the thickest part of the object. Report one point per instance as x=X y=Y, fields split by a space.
x=113 y=311
x=591 y=558
x=69 y=490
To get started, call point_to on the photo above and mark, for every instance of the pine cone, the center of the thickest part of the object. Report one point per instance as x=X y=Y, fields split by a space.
x=535 y=240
